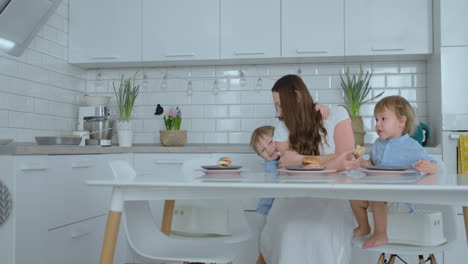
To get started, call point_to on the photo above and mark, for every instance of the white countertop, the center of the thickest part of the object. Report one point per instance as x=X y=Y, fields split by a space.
x=34 y=149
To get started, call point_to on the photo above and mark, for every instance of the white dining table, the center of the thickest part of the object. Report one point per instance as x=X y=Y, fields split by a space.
x=417 y=188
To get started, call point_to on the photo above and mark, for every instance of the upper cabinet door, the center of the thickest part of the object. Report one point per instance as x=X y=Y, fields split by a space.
x=104 y=31
x=379 y=27
x=250 y=29
x=454 y=21
x=180 y=30
x=312 y=28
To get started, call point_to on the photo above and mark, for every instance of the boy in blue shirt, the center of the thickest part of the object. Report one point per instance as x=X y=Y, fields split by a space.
x=395 y=120
x=262 y=143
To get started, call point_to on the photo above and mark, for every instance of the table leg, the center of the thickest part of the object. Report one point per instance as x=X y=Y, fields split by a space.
x=112 y=227
x=166 y=221
x=465 y=215
x=110 y=237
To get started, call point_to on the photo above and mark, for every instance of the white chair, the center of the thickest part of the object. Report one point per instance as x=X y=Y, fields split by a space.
x=449 y=227
x=142 y=225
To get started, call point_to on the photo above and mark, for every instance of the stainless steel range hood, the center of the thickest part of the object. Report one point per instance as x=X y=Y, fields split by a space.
x=20 y=20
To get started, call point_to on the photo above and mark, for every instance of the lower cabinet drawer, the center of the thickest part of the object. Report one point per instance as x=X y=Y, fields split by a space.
x=77 y=243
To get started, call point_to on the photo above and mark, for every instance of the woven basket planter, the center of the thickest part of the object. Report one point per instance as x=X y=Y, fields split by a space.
x=358 y=129
x=173 y=138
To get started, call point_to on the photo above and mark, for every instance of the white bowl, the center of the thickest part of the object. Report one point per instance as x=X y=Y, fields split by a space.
x=97 y=100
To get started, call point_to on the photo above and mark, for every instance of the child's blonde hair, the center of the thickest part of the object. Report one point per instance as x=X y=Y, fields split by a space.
x=402 y=108
x=259 y=133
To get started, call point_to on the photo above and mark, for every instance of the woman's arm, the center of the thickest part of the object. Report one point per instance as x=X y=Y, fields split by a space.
x=344 y=138
x=344 y=145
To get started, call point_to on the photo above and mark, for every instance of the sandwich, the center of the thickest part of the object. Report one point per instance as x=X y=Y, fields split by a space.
x=311 y=162
x=224 y=162
x=358 y=151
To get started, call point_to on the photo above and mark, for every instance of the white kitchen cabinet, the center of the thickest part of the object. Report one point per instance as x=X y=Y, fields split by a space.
x=163 y=163
x=312 y=28
x=36 y=205
x=7 y=233
x=57 y=215
x=453 y=22
x=76 y=243
x=454 y=66
x=104 y=31
x=180 y=30
x=379 y=27
x=460 y=250
x=250 y=29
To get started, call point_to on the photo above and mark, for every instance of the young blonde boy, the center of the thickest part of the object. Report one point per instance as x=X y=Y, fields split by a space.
x=395 y=120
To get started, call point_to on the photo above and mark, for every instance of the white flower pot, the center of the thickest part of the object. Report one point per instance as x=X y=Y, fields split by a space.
x=125 y=133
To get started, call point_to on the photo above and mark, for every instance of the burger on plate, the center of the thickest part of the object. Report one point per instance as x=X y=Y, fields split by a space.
x=224 y=162
x=311 y=162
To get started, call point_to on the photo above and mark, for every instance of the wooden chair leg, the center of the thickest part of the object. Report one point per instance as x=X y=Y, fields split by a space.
x=392 y=259
x=432 y=258
x=166 y=221
x=260 y=260
x=421 y=259
x=381 y=259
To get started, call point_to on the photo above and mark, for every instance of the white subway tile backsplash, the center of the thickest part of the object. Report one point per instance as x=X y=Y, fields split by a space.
x=331 y=69
x=264 y=111
x=215 y=111
x=413 y=67
x=216 y=138
x=235 y=110
x=195 y=138
x=419 y=80
x=250 y=125
x=241 y=111
x=317 y=82
x=396 y=81
x=255 y=97
x=239 y=138
x=228 y=125
x=331 y=96
x=385 y=68
x=203 y=125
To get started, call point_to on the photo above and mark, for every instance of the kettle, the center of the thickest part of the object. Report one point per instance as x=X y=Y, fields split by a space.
x=421 y=134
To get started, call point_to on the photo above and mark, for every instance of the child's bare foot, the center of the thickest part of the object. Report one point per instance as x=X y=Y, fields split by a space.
x=375 y=241
x=361 y=231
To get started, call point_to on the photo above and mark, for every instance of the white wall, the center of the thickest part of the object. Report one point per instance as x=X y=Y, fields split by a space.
x=230 y=115
x=39 y=91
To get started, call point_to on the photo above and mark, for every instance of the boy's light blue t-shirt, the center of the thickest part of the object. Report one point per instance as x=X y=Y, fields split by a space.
x=264 y=206
x=403 y=151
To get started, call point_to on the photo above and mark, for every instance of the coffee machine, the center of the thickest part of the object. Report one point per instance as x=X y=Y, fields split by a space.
x=86 y=111
x=95 y=119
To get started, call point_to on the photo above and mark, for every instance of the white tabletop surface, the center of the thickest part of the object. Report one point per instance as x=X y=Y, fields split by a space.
x=386 y=187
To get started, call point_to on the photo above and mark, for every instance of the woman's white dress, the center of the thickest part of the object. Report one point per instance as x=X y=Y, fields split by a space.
x=309 y=230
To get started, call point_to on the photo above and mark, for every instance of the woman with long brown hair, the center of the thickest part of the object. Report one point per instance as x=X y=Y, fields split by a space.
x=308 y=230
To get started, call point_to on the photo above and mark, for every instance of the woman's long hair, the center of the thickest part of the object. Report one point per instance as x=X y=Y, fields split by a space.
x=304 y=123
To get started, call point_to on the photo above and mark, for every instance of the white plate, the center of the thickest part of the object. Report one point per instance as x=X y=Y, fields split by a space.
x=390 y=179
x=5 y=141
x=221 y=172
x=305 y=178
x=387 y=172
x=221 y=178
x=307 y=172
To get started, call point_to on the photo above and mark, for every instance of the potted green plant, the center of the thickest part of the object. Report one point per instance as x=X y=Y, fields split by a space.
x=357 y=89
x=126 y=95
x=173 y=136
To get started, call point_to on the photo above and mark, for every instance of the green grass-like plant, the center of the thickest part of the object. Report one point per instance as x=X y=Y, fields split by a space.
x=356 y=89
x=126 y=95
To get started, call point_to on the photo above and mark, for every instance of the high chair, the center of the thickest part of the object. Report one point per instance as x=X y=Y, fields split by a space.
x=424 y=253
x=142 y=224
